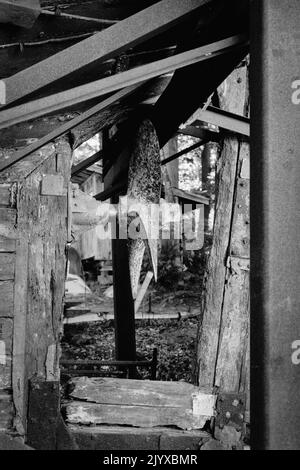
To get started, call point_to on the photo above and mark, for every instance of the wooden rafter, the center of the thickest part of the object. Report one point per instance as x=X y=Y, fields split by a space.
x=6 y=163
x=103 y=45
x=107 y=85
x=225 y=120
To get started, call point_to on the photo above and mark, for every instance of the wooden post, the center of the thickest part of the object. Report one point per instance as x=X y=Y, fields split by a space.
x=125 y=346
x=223 y=335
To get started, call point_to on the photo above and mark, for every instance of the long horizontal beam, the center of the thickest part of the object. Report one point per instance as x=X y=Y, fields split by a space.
x=103 y=45
x=6 y=163
x=65 y=99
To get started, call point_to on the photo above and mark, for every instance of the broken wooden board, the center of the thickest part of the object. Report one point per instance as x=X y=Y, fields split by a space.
x=141 y=403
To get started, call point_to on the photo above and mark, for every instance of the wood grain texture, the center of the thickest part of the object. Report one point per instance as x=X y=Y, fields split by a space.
x=6 y=333
x=140 y=416
x=5 y=195
x=20 y=315
x=7 y=266
x=233 y=97
x=133 y=392
x=6 y=410
x=7 y=298
x=42 y=221
x=139 y=403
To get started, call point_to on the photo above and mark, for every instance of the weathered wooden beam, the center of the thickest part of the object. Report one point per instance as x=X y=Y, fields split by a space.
x=19 y=12
x=203 y=78
x=104 y=45
x=231 y=122
x=65 y=99
x=65 y=128
x=200 y=133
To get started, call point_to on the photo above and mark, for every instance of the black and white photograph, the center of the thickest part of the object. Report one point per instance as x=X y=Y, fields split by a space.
x=149 y=229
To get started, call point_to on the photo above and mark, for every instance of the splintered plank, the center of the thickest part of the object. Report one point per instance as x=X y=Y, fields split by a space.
x=138 y=403
x=7 y=266
x=7 y=298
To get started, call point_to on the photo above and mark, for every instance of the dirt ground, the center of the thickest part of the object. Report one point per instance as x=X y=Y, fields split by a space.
x=174 y=338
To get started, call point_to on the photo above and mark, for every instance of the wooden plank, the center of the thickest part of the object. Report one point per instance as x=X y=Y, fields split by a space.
x=7 y=298
x=6 y=337
x=22 y=134
x=7 y=244
x=6 y=411
x=233 y=99
x=19 y=373
x=65 y=128
x=43 y=414
x=19 y=12
x=134 y=392
x=139 y=416
x=104 y=45
x=200 y=199
x=104 y=86
x=46 y=216
x=7 y=266
x=5 y=195
x=237 y=124
x=8 y=216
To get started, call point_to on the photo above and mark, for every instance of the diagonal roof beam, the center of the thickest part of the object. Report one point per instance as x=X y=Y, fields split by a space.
x=103 y=45
x=59 y=101
x=7 y=162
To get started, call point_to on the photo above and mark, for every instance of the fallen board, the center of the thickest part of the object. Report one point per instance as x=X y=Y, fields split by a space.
x=72 y=316
x=141 y=403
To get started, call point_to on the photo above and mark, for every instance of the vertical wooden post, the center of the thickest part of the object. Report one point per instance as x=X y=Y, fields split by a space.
x=125 y=346
x=223 y=334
